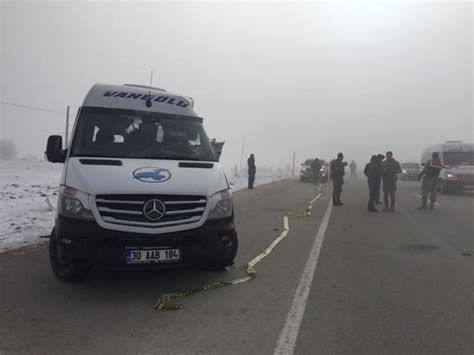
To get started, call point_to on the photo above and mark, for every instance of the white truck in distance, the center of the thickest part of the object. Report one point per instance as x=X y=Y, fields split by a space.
x=141 y=186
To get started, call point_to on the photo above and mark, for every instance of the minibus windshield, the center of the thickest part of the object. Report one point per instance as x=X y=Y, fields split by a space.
x=117 y=133
x=458 y=158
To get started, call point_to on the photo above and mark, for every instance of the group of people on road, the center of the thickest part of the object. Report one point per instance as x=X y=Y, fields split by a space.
x=379 y=172
x=383 y=173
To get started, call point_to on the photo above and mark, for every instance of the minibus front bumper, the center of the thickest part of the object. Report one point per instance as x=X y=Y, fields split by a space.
x=85 y=243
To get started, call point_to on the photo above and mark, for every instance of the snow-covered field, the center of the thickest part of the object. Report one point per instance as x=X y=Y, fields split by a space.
x=28 y=198
x=25 y=188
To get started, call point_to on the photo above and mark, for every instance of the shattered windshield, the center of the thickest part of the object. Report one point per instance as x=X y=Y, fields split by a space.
x=104 y=132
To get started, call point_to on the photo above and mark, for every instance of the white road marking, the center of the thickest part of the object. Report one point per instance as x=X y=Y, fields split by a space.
x=419 y=196
x=287 y=340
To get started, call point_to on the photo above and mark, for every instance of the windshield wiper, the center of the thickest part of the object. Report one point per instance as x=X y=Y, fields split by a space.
x=95 y=156
x=178 y=157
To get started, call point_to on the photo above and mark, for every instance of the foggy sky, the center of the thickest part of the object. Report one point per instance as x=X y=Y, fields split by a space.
x=310 y=78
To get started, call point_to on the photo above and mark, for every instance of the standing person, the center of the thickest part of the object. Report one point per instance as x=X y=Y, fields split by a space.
x=380 y=158
x=391 y=168
x=316 y=168
x=252 y=170
x=430 y=174
x=337 y=175
x=353 y=168
x=373 y=171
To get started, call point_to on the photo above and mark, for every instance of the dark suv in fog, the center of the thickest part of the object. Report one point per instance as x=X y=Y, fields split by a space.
x=306 y=173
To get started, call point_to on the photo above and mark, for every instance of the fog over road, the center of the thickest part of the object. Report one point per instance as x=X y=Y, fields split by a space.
x=385 y=283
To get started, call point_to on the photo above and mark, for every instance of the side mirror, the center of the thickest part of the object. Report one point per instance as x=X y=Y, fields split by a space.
x=217 y=147
x=54 y=150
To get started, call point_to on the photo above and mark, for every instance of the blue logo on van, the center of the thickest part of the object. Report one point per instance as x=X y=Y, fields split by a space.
x=152 y=174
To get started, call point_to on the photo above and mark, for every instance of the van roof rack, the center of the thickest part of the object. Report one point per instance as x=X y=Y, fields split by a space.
x=144 y=87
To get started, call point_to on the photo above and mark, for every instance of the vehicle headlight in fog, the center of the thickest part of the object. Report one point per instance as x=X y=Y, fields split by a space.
x=322 y=169
x=450 y=176
x=73 y=203
x=221 y=205
x=404 y=171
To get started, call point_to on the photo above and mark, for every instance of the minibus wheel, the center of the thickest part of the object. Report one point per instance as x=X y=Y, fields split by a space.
x=64 y=271
x=228 y=259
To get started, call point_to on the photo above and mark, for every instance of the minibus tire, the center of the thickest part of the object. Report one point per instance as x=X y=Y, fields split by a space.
x=228 y=260
x=64 y=272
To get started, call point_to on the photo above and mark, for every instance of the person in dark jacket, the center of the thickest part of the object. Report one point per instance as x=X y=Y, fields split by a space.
x=380 y=158
x=353 y=168
x=391 y=168
x=430 y=175
x=373 y=171
x=252 y=170
x=337 y=175
x=316 y=169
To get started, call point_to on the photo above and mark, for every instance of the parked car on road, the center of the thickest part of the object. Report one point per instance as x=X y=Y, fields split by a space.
x=410 y=171
x=306 y=173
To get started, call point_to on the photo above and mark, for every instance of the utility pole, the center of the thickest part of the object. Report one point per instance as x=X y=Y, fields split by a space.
x=67 y=127
x=242 y=154
x=293 y=171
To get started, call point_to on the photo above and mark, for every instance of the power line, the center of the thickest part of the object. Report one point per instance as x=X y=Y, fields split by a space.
x=33 y=108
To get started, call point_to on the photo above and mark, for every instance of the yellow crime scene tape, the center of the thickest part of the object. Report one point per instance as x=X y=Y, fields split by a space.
x=164 y=302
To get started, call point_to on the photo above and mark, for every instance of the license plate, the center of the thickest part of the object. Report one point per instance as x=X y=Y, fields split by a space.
x=149 y=256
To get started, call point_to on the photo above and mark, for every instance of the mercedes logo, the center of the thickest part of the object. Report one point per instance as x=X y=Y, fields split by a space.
x=154 y=210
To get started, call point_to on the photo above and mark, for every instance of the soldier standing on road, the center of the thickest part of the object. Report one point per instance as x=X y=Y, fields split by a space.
x=430 y=174
x=353 y=168
x=337 y=175
x=373 y=171
x=252 y=170
x=380 y=158
x=316 y=168
x=391 y=168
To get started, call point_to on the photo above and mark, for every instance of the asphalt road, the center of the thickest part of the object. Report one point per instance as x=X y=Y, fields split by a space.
x=391 y=283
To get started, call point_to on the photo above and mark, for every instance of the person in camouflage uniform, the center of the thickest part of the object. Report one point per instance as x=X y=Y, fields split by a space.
x=316 y=168
x=390 y=169
x=430 y=174
x=337 y=175
x=380 y=158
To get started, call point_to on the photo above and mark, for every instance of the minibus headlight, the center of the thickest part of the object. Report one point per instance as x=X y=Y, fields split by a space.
x=73 y=203
x=221 y=205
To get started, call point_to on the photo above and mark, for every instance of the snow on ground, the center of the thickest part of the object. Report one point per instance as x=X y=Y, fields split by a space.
x=26 y=187
x=265 y=176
